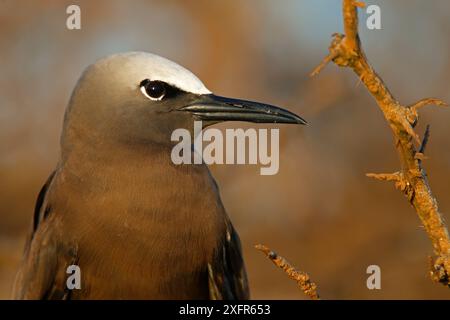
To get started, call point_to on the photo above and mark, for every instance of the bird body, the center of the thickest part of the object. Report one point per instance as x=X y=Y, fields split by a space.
x=137 y=225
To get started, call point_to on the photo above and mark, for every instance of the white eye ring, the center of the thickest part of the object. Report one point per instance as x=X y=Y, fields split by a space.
x=154 y=90
x=151 y=98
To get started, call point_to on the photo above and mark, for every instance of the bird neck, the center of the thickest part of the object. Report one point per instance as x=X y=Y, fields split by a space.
x=105 y=162
x=141 y=185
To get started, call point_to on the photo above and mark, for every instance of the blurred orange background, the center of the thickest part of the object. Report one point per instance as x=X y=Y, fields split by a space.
x=319 y=211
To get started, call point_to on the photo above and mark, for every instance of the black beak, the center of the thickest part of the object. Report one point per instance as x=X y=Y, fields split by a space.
x=214 y=108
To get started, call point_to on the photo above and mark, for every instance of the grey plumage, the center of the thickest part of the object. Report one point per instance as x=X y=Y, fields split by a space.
x=139 y=226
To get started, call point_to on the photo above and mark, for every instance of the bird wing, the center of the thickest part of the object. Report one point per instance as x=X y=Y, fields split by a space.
x=39 y=276
x=227 y=275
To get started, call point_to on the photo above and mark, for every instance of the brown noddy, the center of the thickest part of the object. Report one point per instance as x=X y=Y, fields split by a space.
x=137 y=225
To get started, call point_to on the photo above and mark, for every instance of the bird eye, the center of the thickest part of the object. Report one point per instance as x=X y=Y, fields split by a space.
x=154 y=90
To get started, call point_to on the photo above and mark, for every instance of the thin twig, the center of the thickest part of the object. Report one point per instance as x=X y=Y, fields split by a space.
x=396 y=176
x=412 y=179
x=302 y=278
x=428 y=101
x=426 y=136
x=323 y=64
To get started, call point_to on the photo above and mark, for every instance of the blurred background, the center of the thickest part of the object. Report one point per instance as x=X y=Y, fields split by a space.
x=320 y=211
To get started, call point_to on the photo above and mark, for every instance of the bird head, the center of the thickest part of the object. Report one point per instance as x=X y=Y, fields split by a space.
x=139 y=97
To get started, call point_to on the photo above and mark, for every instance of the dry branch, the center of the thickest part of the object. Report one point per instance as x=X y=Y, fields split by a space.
x=346 y=51
x=302 y=278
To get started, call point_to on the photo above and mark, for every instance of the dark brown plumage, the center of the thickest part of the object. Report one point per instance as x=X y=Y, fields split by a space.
x=137 y=225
